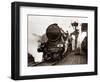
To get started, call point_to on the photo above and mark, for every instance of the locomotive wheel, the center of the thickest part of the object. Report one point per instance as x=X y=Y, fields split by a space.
x=56 y=56
x=46 y=57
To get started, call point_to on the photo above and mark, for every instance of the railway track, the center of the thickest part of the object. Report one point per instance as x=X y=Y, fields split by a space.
x=45 y=63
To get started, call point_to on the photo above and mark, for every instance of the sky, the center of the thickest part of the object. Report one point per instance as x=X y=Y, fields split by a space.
x=37 y=24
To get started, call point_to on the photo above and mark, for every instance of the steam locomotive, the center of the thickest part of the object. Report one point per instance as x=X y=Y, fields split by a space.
x=54 y=48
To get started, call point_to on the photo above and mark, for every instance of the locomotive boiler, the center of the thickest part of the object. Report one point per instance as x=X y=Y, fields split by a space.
x=53 y=49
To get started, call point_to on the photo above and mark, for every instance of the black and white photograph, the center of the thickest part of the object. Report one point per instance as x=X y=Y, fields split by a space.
x=57 y=40
x=53 y=40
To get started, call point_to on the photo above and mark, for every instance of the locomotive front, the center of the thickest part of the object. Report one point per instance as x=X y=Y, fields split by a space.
x=54 y=48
